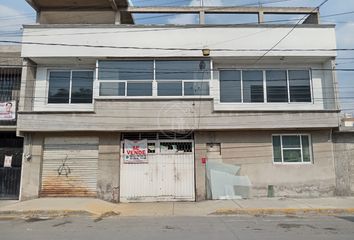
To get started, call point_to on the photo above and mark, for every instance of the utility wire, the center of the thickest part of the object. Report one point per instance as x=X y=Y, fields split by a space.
x=175 y=49
x=286 y=35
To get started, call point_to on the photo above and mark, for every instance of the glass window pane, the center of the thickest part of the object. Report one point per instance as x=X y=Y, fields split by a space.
x=126 y=70
x=292 y=155
x=82 y=87
x=277 y=90
x=252 y=86
x=59 y=87
x=183 y=70
x=276 y=149
x=196 y=89
x=306 y=148
x=291 y=141
x=300 y=87
x=112 y=89
x=169 y=89
x=230 y=86
x=139 y=89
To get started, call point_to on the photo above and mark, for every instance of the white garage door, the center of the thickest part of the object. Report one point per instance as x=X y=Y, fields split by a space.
x=70 y=167
x=168 y=174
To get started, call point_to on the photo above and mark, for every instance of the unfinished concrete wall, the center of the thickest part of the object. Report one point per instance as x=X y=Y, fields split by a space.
x=157 y=115
x=252 y=150
x=108 y=167
x=10 y=55
x=200 y=171
x=77 y=17
x=344 y=163
x=28 y=84
x=31 y=166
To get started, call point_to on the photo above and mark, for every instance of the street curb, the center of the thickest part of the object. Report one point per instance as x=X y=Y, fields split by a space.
x=284 y=211
x=44 y=214
x=41 y=214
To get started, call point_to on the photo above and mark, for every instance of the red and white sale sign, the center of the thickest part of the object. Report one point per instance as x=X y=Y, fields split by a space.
x=135 y=151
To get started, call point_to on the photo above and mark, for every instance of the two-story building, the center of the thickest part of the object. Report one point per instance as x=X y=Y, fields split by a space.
x=129 y=112
x=10 y=145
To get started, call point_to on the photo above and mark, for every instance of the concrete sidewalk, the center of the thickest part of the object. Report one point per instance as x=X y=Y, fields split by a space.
x=258 y=206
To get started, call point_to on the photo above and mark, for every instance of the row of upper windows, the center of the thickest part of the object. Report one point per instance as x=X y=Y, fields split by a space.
x=178 y=78
x=257 y=86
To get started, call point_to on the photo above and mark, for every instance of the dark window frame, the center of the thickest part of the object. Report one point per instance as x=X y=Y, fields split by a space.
x=309 y=99
x=155 y=81
x=70 y=86
x=300 y=148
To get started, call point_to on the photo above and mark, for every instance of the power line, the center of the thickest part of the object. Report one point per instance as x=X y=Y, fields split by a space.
x=291 y=30
x=172 y=71
x=175 y=49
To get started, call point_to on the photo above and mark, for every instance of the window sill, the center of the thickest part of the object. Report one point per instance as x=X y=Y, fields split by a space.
x=82 y=107
x=267 y=106
x=152 y=98
x=292 y=163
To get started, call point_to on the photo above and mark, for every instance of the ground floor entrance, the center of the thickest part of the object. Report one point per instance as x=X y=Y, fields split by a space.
x=11 y=150
x=152 y=167
x=166 y=173
x=69 y=167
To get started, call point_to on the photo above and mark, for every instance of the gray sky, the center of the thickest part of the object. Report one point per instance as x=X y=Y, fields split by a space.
x=14 y=13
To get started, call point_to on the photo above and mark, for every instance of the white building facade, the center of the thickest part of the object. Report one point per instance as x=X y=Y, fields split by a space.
x=180 y=96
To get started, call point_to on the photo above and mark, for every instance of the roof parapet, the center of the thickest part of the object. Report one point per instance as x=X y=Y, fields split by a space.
x=313 y=17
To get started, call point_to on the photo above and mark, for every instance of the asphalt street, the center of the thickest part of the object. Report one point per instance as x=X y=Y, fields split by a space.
x=179 y=228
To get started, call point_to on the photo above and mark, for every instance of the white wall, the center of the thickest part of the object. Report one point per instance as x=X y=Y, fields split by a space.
x=240 y=37
x=315 y=39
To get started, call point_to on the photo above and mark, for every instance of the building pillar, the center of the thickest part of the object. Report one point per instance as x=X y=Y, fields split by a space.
x=31 y=166
x=27 y=85
x=200 y=167
x=108 y=174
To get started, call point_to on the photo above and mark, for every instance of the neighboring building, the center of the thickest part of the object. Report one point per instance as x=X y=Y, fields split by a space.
x=348 y=122
x=344 y=159
x=129 y=112
x=10 y=146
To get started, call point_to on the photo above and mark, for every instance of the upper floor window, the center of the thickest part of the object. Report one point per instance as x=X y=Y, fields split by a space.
x=272 y=86
x=126 y=78
x=70 y=86
x=139 y=78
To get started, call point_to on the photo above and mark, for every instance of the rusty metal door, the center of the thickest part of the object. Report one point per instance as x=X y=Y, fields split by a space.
x=70 y=167
x=167 y=176
x=10 y=172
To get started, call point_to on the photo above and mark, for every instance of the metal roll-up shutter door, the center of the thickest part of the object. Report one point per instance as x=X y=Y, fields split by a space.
x=69 y=167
